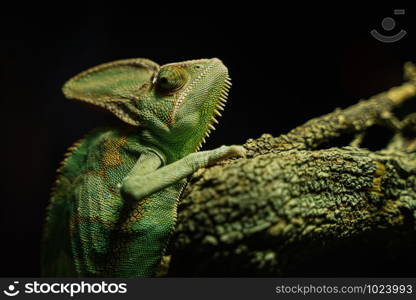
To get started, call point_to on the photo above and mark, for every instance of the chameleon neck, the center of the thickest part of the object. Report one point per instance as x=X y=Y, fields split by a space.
x=169 y=149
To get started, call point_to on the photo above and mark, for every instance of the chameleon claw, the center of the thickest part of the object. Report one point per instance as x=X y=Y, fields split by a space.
x=232 y=151
x=238 y=151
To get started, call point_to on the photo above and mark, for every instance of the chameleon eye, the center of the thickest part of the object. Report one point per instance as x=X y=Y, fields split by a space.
x=171 y=79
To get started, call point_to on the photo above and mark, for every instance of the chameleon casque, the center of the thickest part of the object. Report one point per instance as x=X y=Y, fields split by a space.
x=113 y=206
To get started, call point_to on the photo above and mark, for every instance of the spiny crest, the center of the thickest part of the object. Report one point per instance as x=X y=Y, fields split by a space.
x=220 y=105
x=70 y=150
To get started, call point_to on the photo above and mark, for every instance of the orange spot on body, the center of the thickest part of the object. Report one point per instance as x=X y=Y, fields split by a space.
x=111 y=156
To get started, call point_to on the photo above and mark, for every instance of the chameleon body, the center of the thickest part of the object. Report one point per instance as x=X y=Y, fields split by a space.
x=113 y=206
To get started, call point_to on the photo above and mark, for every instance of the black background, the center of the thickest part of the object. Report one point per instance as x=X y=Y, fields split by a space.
x=287 y=64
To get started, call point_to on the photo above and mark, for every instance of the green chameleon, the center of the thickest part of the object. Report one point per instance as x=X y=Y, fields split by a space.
x=113 y=206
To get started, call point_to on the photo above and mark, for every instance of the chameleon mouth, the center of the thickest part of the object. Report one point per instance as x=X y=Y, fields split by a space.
x=219 y=106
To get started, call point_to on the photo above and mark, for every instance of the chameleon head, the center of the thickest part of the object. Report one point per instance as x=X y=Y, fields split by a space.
x=175 y=104
x=186 y=99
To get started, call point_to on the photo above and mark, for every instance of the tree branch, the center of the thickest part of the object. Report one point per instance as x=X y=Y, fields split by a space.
x=288 y=205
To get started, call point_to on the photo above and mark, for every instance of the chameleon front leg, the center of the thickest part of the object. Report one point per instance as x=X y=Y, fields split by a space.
x=151 y=194
x=139 y=184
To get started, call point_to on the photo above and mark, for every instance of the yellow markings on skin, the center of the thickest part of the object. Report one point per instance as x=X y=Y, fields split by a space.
x=111 y=156
x=378 y=174
x=136 y=213
x=75 y=221
x=78 y=220
x=100 y=173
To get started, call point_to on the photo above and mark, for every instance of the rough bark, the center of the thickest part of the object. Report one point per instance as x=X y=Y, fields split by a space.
x=291 y=208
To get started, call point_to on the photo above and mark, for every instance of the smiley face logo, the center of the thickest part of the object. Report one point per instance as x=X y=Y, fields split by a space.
x=11 y=289
x=388 y=24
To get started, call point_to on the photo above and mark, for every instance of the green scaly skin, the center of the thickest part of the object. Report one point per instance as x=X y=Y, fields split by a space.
x=113 y=207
